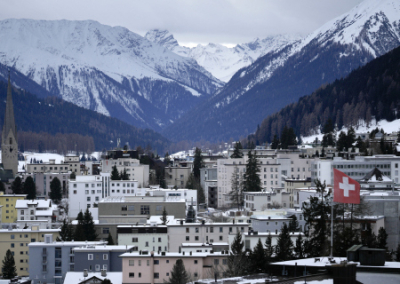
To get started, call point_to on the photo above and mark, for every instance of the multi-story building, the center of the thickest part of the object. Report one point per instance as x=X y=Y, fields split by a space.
x=260 y=201
x=268 y=223
x=357 y=168
x=74 y=163
x=30 y=211
x=17 y=241
x=50 y=167
x=9 y=213
x=49 y=261
x=292 y=184
x=98 y=257
x=144 y=237
x=177 y=176
x=145 y=267
x=181 y=232
x=189 y=195
x=134 y=169
x=43 y=180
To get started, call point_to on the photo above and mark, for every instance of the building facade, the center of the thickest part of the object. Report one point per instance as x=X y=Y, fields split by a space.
x=8 y=201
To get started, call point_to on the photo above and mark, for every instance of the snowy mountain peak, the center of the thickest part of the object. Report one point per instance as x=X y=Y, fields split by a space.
x=162 y=37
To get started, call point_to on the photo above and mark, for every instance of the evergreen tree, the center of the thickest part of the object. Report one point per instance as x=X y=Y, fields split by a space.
x=299 y=249
x=106 y=280
x=66 y=233
x=284 y=245
x=2 y=187
x=275 y=142
x=342 y=142
x=178 y=273
x=252 y=180
x=124 y=175
x=236 y=193
x=72 y=176
x=55 y=190
x=316 y=216
x=258 y=259
x=197 y=164
x=192 y=183
x=16 y=186
x=269 y=248
x=88 y=226
x=237 y=260
x=293 y=224
x=236 y=151
x=115 y=173
x=79 y=234
x=164 y=219
x=9 y=269
x=382 y=238
x=350 y=138
x=30 y=188
x=110 y=240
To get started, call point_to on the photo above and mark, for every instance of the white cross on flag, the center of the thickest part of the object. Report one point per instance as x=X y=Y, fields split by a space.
x=345 y=189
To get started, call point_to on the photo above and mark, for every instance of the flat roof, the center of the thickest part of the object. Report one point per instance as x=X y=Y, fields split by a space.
x=66 y=244
x=173 y=254
x=103 y=248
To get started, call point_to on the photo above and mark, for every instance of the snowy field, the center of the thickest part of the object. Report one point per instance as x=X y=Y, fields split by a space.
x=388 y=127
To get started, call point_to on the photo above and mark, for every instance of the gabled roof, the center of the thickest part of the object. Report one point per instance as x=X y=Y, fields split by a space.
x=375 y=176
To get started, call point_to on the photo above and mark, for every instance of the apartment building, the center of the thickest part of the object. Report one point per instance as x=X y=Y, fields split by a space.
x=99 y=257
x=268 y=223
x=18 y=240
x=357 y=168
x=134 y=169
x=151 y=237
x=260 y=201
x=8 y=201
x=155 y=267
x=177 y=176
x=292 y=184
x=181 y=232
x=43 y=180
x=50 y=167
x=36 y=210
x=49 y=261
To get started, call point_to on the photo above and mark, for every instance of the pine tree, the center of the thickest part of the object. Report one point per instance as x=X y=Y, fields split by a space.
x=110 y=240
x=16 y=186
x=197 y=164
x=9 y=269
x=293 y=224
x=2 y=187
x=106 y=281
x=275 y=142
x=284 y=245
x=236 y=151
x=299 y=249
x=55 y=190
x=382 y=238
x=30 y=188
x=316 y=216
x=124 y=175
x=258 y=258
x=66 y=232
x=236 y=194
x=164 y=218
x=237 y=260
x=252 y=180
x=178 y=273
x=269 y=248
x=88 y=226
x=115 y=173
x=79 y=234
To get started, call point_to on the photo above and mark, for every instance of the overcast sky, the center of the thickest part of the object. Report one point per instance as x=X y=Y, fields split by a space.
x=191 y=21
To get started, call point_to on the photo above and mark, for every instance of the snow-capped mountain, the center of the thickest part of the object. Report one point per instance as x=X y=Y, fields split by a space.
x=219 y=60
x=280 y=77
x=108 y=69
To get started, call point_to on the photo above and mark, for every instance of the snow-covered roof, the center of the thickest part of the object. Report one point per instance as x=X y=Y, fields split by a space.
x=38 y=203
x=103 y=248
x=73 y=277
x=67 y=244
x=269 y=217
x=173 y=254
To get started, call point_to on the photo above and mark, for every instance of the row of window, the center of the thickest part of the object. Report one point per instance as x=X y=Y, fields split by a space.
x=90 y=256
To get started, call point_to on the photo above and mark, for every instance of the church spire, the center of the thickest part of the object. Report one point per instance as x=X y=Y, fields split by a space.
x=9 y=121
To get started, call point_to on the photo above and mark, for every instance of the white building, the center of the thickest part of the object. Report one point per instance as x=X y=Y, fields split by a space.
x=190 y=195
x=36 y=210
x=134 y=169
x=260 y=201
x=151 y=237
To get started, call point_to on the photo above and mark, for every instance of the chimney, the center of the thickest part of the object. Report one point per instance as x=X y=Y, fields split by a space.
x=104 y=272
x=85 y=273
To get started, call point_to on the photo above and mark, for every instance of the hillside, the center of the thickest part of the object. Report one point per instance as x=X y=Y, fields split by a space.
x=53 y=115
x=281 y=77
x=370 y=92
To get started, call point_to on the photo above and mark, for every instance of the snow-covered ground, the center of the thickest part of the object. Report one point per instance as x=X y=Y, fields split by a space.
x=387 y=126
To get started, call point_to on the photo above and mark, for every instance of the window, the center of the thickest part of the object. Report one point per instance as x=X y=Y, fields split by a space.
x=159 y=240
x=221 y=229
x=148 y=262
x=195 y=261
x=144 y=210
x=156 y=275
x=90 y=256
x=187 y=238
x=187 y=230
x=135 y=240
x=216 y=261
x=196 y=238
x=105 y=266
x=140 y=274
x=12 y=245
x=124 y=208
x=58 y=252
x=131 y=207
x=224 y=261
x=159 y=208
x=106 y=231
x=12 y=237
x=211 y=229
x=131 y=263
x=88 y=198
x=147 y=244
x=97 y=267
x=105 y=256
x=75 y=192
x=131 y=274
x=156 y=262
x=139 y=262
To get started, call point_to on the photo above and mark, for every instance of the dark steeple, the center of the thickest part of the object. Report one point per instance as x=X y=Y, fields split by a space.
x=9 y=121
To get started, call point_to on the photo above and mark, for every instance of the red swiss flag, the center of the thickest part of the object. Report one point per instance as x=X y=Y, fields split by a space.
x=345 y=189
